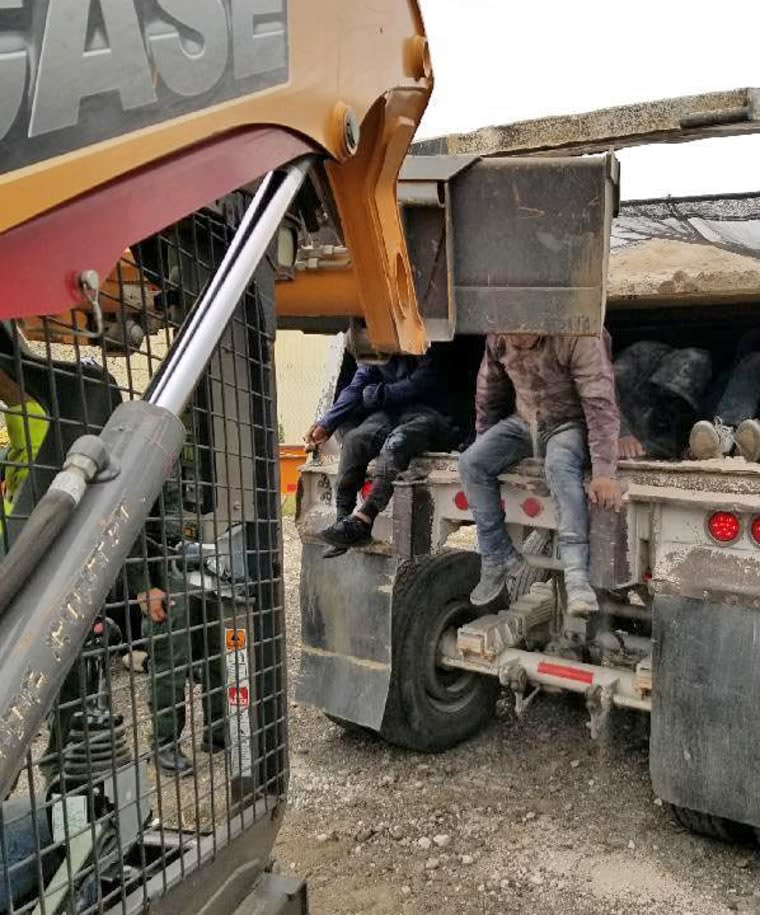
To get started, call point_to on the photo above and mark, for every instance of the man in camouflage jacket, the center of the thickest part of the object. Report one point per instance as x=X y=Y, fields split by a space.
x=554 y=396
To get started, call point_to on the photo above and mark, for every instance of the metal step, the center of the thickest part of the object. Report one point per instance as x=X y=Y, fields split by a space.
x=489 y=635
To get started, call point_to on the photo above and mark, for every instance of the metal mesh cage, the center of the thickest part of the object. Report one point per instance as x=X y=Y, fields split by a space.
x=168 y=738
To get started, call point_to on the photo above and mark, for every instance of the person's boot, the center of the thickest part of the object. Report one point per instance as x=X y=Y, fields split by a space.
x=348 y=532
x=332 y=552
x=710 y=440
x=748 y=440
x=581 y=598
x=172 y=761
x=494 y=574
x=215 y=744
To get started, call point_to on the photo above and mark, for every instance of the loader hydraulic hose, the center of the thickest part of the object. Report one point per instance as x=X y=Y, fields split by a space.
x=48 y=519
x=46 y=621
x=86 y=458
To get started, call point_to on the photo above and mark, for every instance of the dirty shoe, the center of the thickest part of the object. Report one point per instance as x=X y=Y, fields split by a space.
x=493 y=578
x=710 y=440
x=748 y=440
x=348 y=532
x=581 y=599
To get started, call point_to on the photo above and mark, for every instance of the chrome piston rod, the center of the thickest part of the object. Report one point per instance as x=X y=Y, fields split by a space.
x=180 y=372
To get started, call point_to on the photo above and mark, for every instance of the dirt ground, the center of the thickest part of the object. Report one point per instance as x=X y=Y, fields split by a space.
x=529 y=817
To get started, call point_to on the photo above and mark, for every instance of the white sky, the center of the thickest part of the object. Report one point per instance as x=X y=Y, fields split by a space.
x=499 y=61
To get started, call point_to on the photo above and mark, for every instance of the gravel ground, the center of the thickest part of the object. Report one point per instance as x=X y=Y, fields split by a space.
x=529 y=817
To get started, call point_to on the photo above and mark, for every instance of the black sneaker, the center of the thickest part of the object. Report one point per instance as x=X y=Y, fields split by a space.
x=348 y=532
x=334 y=551
x=172 y=761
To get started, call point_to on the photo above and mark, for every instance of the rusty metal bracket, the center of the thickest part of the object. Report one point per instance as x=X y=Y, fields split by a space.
x=516 y=678
x=599 y=701
x=364 y=188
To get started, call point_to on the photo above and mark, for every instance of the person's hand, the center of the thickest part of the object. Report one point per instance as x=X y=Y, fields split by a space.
x=630 y=447
x=606 y=492
x=373 y=396
x=153 y=604
x=316 y=435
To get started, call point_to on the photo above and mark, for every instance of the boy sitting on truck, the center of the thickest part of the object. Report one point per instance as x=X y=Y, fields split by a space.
x=563 y=390
x=397 y=412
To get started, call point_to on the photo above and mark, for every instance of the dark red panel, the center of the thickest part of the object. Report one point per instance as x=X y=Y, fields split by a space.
x=41 y=259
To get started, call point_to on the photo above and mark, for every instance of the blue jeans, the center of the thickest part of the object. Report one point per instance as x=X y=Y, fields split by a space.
x=497 y=451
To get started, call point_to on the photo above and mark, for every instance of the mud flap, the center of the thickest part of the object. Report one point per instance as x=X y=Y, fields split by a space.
x=705 y=743
x=346 y=633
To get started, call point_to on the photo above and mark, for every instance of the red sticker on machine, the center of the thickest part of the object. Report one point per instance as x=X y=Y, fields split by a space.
x=239 y=696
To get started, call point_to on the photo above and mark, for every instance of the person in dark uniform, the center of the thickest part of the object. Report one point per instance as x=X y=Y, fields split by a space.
x=183 y=635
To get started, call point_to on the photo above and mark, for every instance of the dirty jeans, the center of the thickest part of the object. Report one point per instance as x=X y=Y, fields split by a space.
x=183 y=646
x=393 y=439
x=497 y=451
x=741 y=395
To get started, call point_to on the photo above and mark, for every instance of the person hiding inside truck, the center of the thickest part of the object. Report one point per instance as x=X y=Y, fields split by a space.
x=660 y=393
x=552 y=397
x=394 y=412
x=733 y=405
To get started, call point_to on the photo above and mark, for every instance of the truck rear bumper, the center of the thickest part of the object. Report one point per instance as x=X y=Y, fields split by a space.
x=705 y=743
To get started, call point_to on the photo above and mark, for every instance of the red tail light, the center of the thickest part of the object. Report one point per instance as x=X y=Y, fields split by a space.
x=755 y=530
x=460 y=500
x=724 y=527
x=366 y=490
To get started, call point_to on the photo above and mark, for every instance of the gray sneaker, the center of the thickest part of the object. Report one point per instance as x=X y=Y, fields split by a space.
x=493 y=578
x=710 y=440
x=581 y=599
x=748 y=440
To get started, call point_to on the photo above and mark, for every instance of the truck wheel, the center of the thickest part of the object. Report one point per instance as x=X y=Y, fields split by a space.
x=711 y=826
x=538 y=542
x=429 y=708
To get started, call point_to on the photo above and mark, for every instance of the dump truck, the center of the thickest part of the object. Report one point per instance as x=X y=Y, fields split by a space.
x=509 y=230
x=164 y=165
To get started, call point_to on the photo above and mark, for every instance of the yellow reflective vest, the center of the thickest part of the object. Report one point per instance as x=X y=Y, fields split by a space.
x=23 y=449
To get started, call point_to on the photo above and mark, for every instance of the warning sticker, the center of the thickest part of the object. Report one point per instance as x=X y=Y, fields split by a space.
x=237 y=666
x=236 y=639
x=239 y=696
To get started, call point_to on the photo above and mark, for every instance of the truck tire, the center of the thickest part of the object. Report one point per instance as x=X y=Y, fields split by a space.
x=430 y=709
x=538 y=542
x=705 y=824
